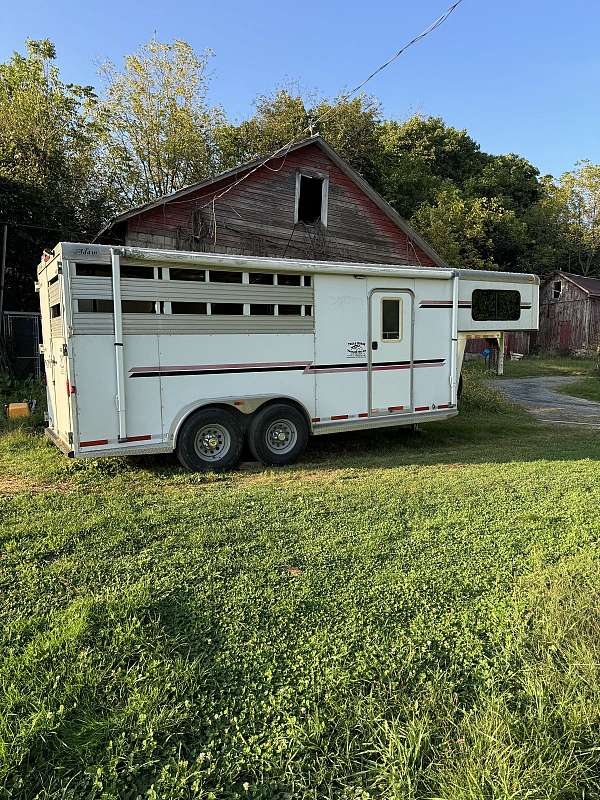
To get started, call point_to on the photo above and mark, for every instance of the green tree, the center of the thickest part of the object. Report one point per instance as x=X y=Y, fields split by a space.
x=350 y=126
x=576 y=201
x=52 y=183
x=159 y=126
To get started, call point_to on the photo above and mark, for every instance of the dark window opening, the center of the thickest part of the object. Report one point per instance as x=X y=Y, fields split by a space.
x=93 y=270
x=289 y=311
x=55 y=311
x=187 y=274
x=288 y=280
x=227 y=308
x=53 y=280
x=308 y=311
x=307 y=280
x=136 y=272
x=222 y=276
x=495 y=304
x=95 y=306
x=556 y=290
x=188 y=308
x=310 y=199
x=138 y=307
x=390 y=320
x=262 y=310
x=261 y=277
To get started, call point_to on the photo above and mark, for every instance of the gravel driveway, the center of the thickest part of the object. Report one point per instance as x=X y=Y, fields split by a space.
x=539 y=396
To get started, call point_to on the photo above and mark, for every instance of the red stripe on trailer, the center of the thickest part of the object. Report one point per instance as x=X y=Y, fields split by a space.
x=395 y=408
x=340 y=416
x=364 y=414
x=143 y=438
x=444 y=405
x=422 y=408
x=316 y=419
x=93 y=442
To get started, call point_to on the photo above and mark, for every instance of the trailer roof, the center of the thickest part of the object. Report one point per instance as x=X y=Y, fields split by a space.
x=91 y=252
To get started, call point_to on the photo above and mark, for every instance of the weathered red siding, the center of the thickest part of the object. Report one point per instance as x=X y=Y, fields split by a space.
x=568 y=323
x=256 y=217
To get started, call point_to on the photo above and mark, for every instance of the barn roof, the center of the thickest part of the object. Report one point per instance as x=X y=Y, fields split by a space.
x=318 y=140
x=589 y=285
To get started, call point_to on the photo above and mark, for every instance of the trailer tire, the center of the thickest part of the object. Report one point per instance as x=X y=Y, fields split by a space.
x=277 y=434
x=211 y=439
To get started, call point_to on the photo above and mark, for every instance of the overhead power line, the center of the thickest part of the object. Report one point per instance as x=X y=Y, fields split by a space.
x=344 y=97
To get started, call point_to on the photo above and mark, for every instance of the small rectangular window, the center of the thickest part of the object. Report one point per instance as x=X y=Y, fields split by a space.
x=224 y=276
x=261 y=278
x=136 y=272
x=55 y=311
x=95 y=306
x=138 y=307
x=307 y=280
x=177 y=274
x=261 y=310
x=556 y=290
x=289 y=311
x=495 y=304
x=287 y=279
x=310 y=200
x=308 y=311
x=93 y=270
x=188 y=308
x=227 y=308
x=53 y=280
x=390 y=320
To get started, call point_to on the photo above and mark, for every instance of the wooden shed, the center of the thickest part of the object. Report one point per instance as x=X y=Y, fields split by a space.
x=569 y=313
x=307 y=203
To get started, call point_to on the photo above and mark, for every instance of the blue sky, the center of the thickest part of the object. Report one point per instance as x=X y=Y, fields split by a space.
x=521 y=77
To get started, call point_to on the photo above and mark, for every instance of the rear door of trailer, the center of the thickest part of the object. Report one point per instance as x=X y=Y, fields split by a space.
x=52 y=302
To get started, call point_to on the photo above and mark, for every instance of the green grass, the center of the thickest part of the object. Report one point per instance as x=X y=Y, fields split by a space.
x=401 y=616
x=534 y=366
x=588 y=388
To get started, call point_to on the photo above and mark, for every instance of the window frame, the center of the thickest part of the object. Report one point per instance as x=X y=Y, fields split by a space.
x=400 y=301
x=556 y=296
x=323 y=176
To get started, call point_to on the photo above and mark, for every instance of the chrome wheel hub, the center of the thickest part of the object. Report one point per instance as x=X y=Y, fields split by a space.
x=281 y=436
x=212 y=442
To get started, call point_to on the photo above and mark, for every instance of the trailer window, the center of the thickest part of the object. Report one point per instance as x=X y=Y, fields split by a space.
x=138 y=307
x=289 y=311
x=390 y=319
x=177 y=274
x=105 y=271
x=223 y=276
x=261 y=310
x=188 y=308
x=227 y=308
x=495 y=304
x=288 y=279
x=55 y=311
x=95 y=306
x=261 y=278
x=308 y=311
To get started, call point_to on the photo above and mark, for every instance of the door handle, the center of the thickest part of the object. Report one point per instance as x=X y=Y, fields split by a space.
x=374 y=345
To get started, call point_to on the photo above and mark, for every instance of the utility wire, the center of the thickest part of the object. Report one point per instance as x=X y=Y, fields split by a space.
x=283 y=151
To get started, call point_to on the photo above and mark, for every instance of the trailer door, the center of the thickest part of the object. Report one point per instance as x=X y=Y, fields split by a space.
x=59 y=407
x=390 y=351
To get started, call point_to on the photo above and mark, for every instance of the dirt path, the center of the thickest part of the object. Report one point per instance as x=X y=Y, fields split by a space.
x=539 y=396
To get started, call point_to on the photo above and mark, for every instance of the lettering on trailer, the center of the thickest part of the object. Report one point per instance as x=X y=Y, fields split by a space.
x=356 y=350
x=86 y=251
x=285 y=366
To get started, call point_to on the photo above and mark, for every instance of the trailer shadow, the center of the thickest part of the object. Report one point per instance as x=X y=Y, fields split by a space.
x=468 y=439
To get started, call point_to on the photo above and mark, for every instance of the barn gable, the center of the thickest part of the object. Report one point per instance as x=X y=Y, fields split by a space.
x=261 y=213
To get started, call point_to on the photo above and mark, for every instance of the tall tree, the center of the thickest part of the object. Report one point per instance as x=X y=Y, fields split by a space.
x=159 y=126
x=51 y=182
x=577 y=197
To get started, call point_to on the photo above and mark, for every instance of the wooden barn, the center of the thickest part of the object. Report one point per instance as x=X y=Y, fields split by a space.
x=308 y=203
x=569 y=313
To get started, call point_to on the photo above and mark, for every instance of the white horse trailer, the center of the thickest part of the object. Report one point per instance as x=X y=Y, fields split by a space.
x=154 y=351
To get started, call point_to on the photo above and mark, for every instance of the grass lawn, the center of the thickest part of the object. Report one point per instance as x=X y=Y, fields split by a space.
x=588 y=388
x=533 y=366
x=401 y=615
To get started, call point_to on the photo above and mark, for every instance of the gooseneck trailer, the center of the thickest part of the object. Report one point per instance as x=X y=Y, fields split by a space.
x=154 y=351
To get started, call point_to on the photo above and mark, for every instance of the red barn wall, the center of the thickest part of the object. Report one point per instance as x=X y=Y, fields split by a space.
x=564 y=323
x=256 y=217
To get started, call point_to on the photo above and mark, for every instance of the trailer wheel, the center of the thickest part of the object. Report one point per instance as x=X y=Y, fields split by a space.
x=210 y=439
x=278 y=434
